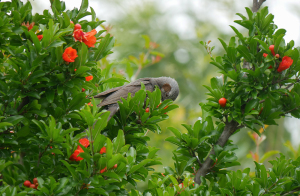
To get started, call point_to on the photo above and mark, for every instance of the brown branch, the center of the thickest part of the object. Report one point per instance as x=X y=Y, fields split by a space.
x=229 y=129
x=41 y=154
x=291 y=192
x=257 y=4
x=24 y=102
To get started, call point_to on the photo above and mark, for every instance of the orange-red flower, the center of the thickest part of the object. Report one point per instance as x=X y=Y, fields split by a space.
x=29 y=26
x=89 y=38
x=88 y=78
x=75 y=157
x=103 y=170
x=103 y=150
x=85 y=142
x=285 y=63
x=40 y=37
x=90 y=104
x=69 y=54
x=265 y=55
x=78 y=35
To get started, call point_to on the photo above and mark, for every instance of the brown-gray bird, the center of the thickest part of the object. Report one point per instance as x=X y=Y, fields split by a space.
x=168 y=86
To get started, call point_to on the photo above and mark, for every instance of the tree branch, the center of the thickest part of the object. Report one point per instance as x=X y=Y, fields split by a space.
x=292 y=191
x=24 y=102
x=257 y=4
x=229 y=129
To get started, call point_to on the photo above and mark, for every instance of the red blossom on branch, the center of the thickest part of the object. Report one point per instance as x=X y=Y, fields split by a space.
x=29 y=26
x=74 y=157
x=88 y=78
x=103 y=170
x=89 y=38
x=285 y=63
x=40 y=37
x=103 y=150
x=78 y=35
x=69 y=54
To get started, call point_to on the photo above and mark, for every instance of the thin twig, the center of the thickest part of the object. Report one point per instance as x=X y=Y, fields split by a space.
x=41 y=154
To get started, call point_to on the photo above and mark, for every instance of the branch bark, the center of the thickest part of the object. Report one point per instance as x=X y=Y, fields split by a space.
x=229 y=129
x=257 y=4
x=24 y=102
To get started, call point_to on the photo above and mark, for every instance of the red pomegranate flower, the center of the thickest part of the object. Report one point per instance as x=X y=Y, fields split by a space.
x=103 y=150
x=103 y=170
x=265 y=55
x=29 y=26
x=69 y=54
x=40 y=37
x=85 y=142
x=78 y=35
x=89 y=38
x=74 y=156
x=285 y=63
x=88 y=78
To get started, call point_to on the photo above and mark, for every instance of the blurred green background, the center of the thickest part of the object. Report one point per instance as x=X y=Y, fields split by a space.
x=178 y=26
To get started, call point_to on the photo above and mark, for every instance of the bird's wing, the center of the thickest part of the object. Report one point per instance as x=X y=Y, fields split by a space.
x=123 y=92
x=107 y=92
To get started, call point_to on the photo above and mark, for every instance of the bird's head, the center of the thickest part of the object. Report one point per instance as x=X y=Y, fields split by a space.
x=169 y=88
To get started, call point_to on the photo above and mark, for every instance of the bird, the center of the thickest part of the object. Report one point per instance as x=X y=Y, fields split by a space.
x=168 y=86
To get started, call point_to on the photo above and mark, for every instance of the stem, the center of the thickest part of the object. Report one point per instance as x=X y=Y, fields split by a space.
x=291 y=192
x=24 y=102
x=229 y=129
x=41 y=154
x=257 y=4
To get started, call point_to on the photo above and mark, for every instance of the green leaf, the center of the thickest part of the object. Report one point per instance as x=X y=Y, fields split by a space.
x=268 y=154
x=110 y=80
x=5 y=124
x=114 y=160
x=36 y=41
x=4 y=164
x=175 y=132
x=104 y=47
x=119 y=142
x=243 y=50
x=83 y=9
x=82 y=70
x=71 y=170
x=14 y=119
x=240 y=36
x=138 y=166
x=250 y=105
x=56 y=44
x=50 y=95
x=147 y=41
x=223 y=44
x=277 y=43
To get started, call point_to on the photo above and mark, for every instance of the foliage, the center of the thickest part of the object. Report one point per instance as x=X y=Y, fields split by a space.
x=46 y=111
x=45 y=108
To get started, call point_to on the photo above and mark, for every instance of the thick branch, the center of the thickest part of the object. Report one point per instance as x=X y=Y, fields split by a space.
x=24 y=102
x=229 y=129
x=257 y=4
